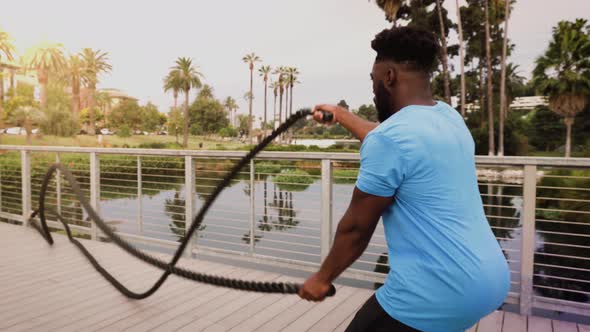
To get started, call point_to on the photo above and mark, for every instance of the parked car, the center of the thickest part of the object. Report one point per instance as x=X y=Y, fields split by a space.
x=16 y=131
x=106 y=131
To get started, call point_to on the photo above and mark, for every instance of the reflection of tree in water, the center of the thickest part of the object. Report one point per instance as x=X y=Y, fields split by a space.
x=175 y=209
x=284 y=219
x=557 y=245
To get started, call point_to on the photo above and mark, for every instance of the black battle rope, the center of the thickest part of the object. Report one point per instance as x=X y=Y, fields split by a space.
x=167 y=267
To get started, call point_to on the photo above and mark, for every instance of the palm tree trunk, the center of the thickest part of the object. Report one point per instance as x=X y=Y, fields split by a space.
x=274 y=112
x=265 y=96
x=43 y=88
x=185 y=132
x=75 y=97
x=481 y=93
x=569 y=121
x=175 y=99
x=280 y=108
x=12 y=85
x=492 y=147
x=291 y=112
x=250 y=119
x=445 y=54
x=462 y=58
x=91 y=110
x=503 y=99
x=1 y=93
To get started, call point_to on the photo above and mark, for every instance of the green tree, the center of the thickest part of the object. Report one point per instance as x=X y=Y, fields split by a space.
x=151 y=119
x=250 y=60
x=27 y=116
x=58 y=119
x=206 y=114
x=243 y=124
x=72 y=73
x=264 y=72
x=391 y=9
x=367 y=112
x=6 y=51
x=175 y=122
x=21 y=97
x=45 y=59
x=128 y=113
x=188 y=77
x=231 y=106
x=95 y=63
x=563 y=72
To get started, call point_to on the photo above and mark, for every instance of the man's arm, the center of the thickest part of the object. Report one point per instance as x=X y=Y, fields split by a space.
x=352 y=237
x=359 y=127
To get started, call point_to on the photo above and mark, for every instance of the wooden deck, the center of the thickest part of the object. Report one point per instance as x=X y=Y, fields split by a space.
x=45 y=288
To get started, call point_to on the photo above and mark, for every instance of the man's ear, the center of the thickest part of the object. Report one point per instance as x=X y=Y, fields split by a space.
x=391 y=76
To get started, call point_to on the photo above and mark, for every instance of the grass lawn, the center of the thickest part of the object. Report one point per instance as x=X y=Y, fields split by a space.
x=112 y=141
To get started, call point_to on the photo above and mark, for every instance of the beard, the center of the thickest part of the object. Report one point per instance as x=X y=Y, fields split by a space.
x=382 y=102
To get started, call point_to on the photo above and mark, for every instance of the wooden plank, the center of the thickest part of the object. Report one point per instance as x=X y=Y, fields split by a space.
x=223 y=306
x=473 y=328
x=342 y=327
x=148 y=311
x=115 y=313
x=583 y=328
x=260 y=304
x=335 y=317
x=97 y=307
x=279 y=322
x=320 y=310
x=561 y=326
x=539 y=324
x=514 y=323
x=492 y=322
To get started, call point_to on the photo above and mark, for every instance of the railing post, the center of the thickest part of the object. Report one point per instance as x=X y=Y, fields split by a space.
x=94 y=191
x=58 y=183
x=139 y=196
x=326 y=209
x=189 y=191
x=26 y=185
x=527 y=251
x=252 y=206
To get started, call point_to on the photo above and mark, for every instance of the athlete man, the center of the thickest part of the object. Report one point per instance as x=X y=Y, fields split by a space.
x=417 y=172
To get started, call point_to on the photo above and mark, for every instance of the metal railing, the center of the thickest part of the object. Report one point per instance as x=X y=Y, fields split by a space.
x=283 y=210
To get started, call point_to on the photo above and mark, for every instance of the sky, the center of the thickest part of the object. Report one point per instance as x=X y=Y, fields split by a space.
x=327 y=40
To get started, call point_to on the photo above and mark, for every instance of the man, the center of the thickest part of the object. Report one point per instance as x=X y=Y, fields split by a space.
x=417 y=172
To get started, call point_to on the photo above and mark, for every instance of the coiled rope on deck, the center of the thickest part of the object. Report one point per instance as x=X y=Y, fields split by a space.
x=168 y=267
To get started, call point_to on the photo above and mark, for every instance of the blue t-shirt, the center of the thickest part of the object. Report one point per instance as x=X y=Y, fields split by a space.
x=447 y=270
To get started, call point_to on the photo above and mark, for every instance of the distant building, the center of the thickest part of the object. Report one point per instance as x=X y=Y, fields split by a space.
x=528 y=103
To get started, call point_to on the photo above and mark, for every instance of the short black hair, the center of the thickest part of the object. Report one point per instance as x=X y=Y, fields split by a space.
x=411 y=45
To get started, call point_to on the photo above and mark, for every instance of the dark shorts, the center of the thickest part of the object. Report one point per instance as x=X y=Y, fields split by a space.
x=371 y=317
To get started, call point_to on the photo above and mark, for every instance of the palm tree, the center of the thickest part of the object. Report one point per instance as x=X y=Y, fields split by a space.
x=281 y=83
x=445 y=53
x=25 y=116
x=390 y=7
x=275 y=88
x=206 y=92
x=292 y=73
x=563 y=72
x=491 y=146
x=45 y=58
x=462 y=59
x=95 y=63
x=232 y=107
x=503 y=101
x=6 y=51
x=72 y=74
x=172 y=83
x=251 y=59
x=189 y=77
x=264 y=71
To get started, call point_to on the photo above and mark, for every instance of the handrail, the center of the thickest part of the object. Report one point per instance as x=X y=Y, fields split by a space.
x=340 y=156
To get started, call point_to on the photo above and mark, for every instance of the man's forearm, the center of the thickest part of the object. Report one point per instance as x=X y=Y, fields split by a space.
x=358 y=126
x=349 y=244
